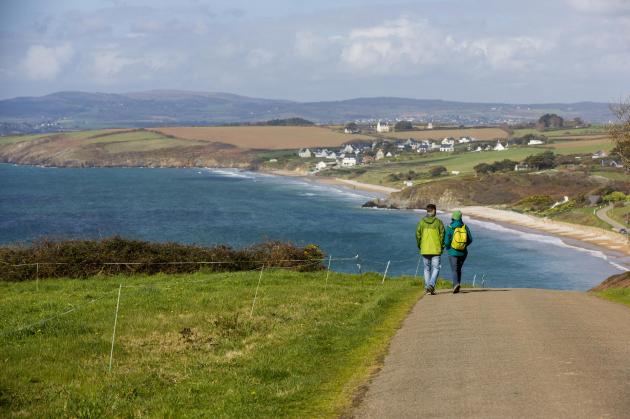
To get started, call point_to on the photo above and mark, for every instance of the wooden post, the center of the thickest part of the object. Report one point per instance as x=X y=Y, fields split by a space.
x=385 y=274
x=111 y=353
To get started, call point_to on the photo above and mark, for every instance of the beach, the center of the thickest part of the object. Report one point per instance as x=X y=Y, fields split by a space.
x=611 y=243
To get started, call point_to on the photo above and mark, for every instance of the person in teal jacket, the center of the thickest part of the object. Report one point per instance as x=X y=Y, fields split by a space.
x=456 y=257
x=430 y=238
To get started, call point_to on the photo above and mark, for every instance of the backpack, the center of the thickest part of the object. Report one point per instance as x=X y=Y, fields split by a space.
x=460 y=238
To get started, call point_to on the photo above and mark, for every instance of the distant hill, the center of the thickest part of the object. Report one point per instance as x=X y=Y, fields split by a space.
x=76 y=110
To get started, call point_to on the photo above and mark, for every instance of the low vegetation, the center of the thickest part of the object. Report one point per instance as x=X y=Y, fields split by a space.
x=116 y=255
x=188 y=345
x=615 y=288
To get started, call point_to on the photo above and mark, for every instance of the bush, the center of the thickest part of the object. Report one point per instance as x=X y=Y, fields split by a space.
x=86 y=258
x=615 y=196
x=437 y=171
x=535 y=203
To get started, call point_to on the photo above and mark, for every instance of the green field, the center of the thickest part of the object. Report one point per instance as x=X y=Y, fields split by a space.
x=582 y=216
x=593 y=130
x=619 y=214
x=187 y=346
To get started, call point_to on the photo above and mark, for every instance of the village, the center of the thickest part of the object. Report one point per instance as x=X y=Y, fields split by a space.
x=357 y=153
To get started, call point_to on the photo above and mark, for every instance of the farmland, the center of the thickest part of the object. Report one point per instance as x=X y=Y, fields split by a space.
x=265 y=137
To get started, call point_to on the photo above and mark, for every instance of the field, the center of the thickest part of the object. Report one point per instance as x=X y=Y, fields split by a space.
x=265 y=137
x=620 y=214
x=439 y=134
x=582 y=146
x=189 y=345
x=572 y=132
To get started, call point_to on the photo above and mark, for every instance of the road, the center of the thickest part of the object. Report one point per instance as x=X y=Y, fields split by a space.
x=506 y=354
x=602 y=215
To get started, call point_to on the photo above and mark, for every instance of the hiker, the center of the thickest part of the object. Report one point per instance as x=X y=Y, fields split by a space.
x=456 y=242
x=430 y=239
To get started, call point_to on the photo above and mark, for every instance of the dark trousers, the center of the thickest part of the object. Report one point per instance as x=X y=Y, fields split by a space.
x=456 y=267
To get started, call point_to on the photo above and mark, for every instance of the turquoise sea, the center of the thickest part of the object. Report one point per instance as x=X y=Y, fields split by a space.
x=207 y=207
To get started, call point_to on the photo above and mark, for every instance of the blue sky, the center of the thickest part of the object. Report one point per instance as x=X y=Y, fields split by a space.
x=468 y=50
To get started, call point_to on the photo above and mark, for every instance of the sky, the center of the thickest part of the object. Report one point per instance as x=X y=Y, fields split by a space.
x=533 y=51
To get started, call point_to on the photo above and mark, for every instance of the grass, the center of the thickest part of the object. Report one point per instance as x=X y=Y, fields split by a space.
x=595 y=129
x=186 y=344
x=619 y=214
x=582 y=216
x=618 y=295
x=581 y=146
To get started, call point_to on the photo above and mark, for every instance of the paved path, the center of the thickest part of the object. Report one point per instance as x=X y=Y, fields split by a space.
x=603 y=215
x=506 y=354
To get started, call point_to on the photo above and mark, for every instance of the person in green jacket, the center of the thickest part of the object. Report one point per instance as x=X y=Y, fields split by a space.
x=430 y=239
x=456 y=246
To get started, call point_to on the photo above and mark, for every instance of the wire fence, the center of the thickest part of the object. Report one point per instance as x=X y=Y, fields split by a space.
x=168 y=284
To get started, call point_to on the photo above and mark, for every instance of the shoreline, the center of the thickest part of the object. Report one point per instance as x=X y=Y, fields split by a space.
x=591 y=238
x=378 y=190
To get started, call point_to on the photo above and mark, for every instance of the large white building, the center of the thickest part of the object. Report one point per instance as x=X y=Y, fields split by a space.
x=348 y=162
x=305 y=154
x=384 y=127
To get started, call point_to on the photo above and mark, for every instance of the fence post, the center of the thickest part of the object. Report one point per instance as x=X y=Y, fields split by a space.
x=251 y=313
x=385 y=274
x=111 y=353
x=417 y=267
x=328 y=269
x=474 y=279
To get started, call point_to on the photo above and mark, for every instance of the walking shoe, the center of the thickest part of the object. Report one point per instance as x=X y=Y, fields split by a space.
x=456 y=289
x=432 y=289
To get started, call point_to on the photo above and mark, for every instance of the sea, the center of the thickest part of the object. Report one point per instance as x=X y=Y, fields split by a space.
x=239 y=208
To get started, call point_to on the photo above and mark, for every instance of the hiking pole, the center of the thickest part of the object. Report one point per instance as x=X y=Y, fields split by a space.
x=385 y=274
x=474 y=279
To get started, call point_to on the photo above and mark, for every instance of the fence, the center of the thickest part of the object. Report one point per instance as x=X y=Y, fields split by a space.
x=171 y=283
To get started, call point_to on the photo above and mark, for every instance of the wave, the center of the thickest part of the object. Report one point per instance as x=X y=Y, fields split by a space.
x=544 y=238
x=233 y=173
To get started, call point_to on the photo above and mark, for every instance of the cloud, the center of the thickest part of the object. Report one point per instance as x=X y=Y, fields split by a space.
x=45 y=63
x=516 y=53
x=600 y=6
x=108 y=64
x=391 y=46
x=260 y=57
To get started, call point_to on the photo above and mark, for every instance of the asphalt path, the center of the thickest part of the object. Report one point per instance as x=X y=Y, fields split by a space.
x=506 y=353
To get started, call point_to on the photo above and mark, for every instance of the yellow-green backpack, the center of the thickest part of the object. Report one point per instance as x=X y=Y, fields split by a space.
x=460 y=238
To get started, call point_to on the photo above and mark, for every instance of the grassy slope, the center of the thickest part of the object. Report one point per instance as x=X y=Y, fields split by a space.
x=582 y=216
x=595 y=129
x=619 y=295
x=619 y=214
x=186 y=345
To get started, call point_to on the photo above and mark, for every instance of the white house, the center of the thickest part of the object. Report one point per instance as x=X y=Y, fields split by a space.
x=408 y=183
x=464 y=140
x=447 y=147
x=320 y=165
x=351 y=131
x=384 y=127
x=499 y=146
x=535 y=142
x=423 y=148
x=348 y=149
x=305 y=154
x=599 y=154
x=430 y=125
x=389 y=154
x=455 y=172
x=478 y=149
x=332 y=156
x=448 y=141
x=348 y=162
x=379 y=155
x=321 y=154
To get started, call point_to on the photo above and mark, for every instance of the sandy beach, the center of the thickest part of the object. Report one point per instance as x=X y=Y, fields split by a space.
x=591 y=235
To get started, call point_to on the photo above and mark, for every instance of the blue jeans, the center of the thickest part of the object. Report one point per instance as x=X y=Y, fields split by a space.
x=432 y=267
x=456 y=267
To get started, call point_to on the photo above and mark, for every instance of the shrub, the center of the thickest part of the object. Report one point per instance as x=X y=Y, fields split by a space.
x=86 y=258
x=437 y=171
x=615 y=196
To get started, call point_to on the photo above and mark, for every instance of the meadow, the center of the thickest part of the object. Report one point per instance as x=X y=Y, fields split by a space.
x=190 y=345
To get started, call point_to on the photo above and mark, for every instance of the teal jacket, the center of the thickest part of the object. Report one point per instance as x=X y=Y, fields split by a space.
x=448 y=238
x=430 y=236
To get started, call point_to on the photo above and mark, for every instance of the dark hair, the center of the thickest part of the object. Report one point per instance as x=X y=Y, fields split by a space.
x=431 y=207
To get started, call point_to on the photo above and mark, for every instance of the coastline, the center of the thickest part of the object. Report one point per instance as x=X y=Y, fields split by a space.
x=610 y=242
x=378 y=190
x=590 y=238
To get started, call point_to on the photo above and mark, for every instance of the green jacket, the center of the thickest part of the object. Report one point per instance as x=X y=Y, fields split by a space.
x=449 y=238
x=430 y=236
